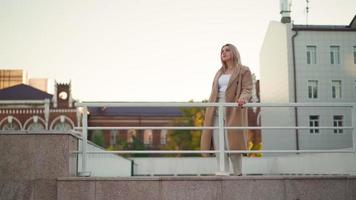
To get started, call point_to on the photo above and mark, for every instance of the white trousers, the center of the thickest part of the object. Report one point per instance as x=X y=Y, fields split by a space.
x=236 y=159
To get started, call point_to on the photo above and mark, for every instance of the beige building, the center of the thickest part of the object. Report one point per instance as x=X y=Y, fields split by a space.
x=39 y=83
x=12 y=77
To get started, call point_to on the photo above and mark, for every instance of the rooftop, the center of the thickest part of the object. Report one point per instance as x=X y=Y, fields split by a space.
x=23 y=92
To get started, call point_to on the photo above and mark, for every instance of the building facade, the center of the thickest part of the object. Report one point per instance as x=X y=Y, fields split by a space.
x=12 y=77
x=132 y=117
x=55 y=113
x=313 y=63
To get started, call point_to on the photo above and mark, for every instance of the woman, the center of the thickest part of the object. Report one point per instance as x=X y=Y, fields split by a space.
x=232 y=83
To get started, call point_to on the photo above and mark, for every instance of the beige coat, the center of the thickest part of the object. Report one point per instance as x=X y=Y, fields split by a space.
x=239 y=87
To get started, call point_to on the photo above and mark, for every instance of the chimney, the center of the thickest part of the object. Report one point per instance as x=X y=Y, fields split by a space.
x=285 y=11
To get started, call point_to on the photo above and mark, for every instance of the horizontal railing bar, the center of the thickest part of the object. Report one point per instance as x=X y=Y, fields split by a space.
x=147 y=152
x=12 y=102
x=199 y=152
x=209 y=127
x=287 y=128
x=147 y=127
x=292 y=151
x=199 y=104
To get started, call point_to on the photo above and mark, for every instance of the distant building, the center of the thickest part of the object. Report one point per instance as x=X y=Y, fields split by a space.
x=129 y=117
x=12 y=77
x=39 y=83
x=308 y=63
x=56 y=114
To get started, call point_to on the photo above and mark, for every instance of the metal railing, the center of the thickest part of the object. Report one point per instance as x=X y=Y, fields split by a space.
x=220 y=106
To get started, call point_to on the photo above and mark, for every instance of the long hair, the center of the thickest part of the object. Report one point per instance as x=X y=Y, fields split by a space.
x=236 y=59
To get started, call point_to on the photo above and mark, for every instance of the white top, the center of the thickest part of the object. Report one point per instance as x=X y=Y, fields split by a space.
x=223 y=81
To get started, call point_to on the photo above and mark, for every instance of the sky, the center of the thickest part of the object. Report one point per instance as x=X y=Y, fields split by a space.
x=142 y=50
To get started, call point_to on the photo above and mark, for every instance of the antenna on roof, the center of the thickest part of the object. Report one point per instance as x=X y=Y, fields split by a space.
x=307 y=11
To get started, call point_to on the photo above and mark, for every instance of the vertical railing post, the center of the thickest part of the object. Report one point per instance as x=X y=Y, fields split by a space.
x=221 y=141
x=353 y=124
x=84 y=171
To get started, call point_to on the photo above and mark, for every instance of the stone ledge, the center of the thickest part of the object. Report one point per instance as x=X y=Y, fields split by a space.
x=272 y=187
x=209 y=178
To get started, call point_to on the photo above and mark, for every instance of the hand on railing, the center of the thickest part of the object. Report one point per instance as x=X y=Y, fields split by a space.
x=240 y=103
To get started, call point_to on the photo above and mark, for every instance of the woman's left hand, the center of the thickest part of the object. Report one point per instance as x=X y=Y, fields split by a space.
x=240 y=103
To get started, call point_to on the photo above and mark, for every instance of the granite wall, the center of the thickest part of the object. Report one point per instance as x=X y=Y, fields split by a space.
x=209 y=188
x=31 y=163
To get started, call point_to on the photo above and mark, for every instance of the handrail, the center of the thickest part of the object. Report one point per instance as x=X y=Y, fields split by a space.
x=221 y=127
x=200 y=104
x=210 y=127
x=21 y=102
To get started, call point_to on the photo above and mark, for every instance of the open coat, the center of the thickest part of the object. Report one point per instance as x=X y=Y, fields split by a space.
x=239 y=87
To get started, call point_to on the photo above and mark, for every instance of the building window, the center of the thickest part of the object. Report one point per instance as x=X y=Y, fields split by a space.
x=314 y=122
x=354 y=54
x=62 y=126
x=113 y=137
x=336 y=89
x=148 y=137
x=334 y=54
x=131 y=134
x=338 y=122
x=11 y=124
x=311 y=54
x=36 y=126
x=313 y=89
x=11 y=127
x=164 y=136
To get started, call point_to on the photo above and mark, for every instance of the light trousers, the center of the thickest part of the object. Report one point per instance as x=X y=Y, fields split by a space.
x=236 y=159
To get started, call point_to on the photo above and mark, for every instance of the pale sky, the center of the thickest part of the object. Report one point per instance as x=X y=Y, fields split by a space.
x=142 y=50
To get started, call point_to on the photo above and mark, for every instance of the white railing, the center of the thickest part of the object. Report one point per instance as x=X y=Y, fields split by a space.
x=221 y=128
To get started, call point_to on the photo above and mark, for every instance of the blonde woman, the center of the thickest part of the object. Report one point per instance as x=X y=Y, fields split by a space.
x=232 y=83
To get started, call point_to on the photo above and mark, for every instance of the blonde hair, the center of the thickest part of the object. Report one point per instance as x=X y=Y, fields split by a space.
x=236 y=59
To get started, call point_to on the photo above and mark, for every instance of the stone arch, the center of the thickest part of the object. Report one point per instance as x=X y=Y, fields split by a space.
x=62 y=119
x=34 y=119
x=9 y=120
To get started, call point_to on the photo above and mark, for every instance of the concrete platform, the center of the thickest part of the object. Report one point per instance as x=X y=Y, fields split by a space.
x=209 y=188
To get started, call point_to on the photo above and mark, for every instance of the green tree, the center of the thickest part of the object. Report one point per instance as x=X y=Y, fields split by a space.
x=98 y=137
x=136 y=144
x=187 y=139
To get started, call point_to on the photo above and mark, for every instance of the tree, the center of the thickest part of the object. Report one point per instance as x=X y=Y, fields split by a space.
x=187 y=139
x=136 y=144
x=98 y=137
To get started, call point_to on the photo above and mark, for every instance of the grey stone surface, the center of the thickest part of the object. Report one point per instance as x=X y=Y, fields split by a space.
x=253 y=189
x=184 y=190
x=31 y=163
x=76 y=190
x=36 y=156
x=351 y=189
x=317 y=189
x=45 y=189
x=16 y=157
x=73 y=158
x=52 y=157
x=217 y=188
x=37 y=166
x=16 y=190
x=138 y=190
